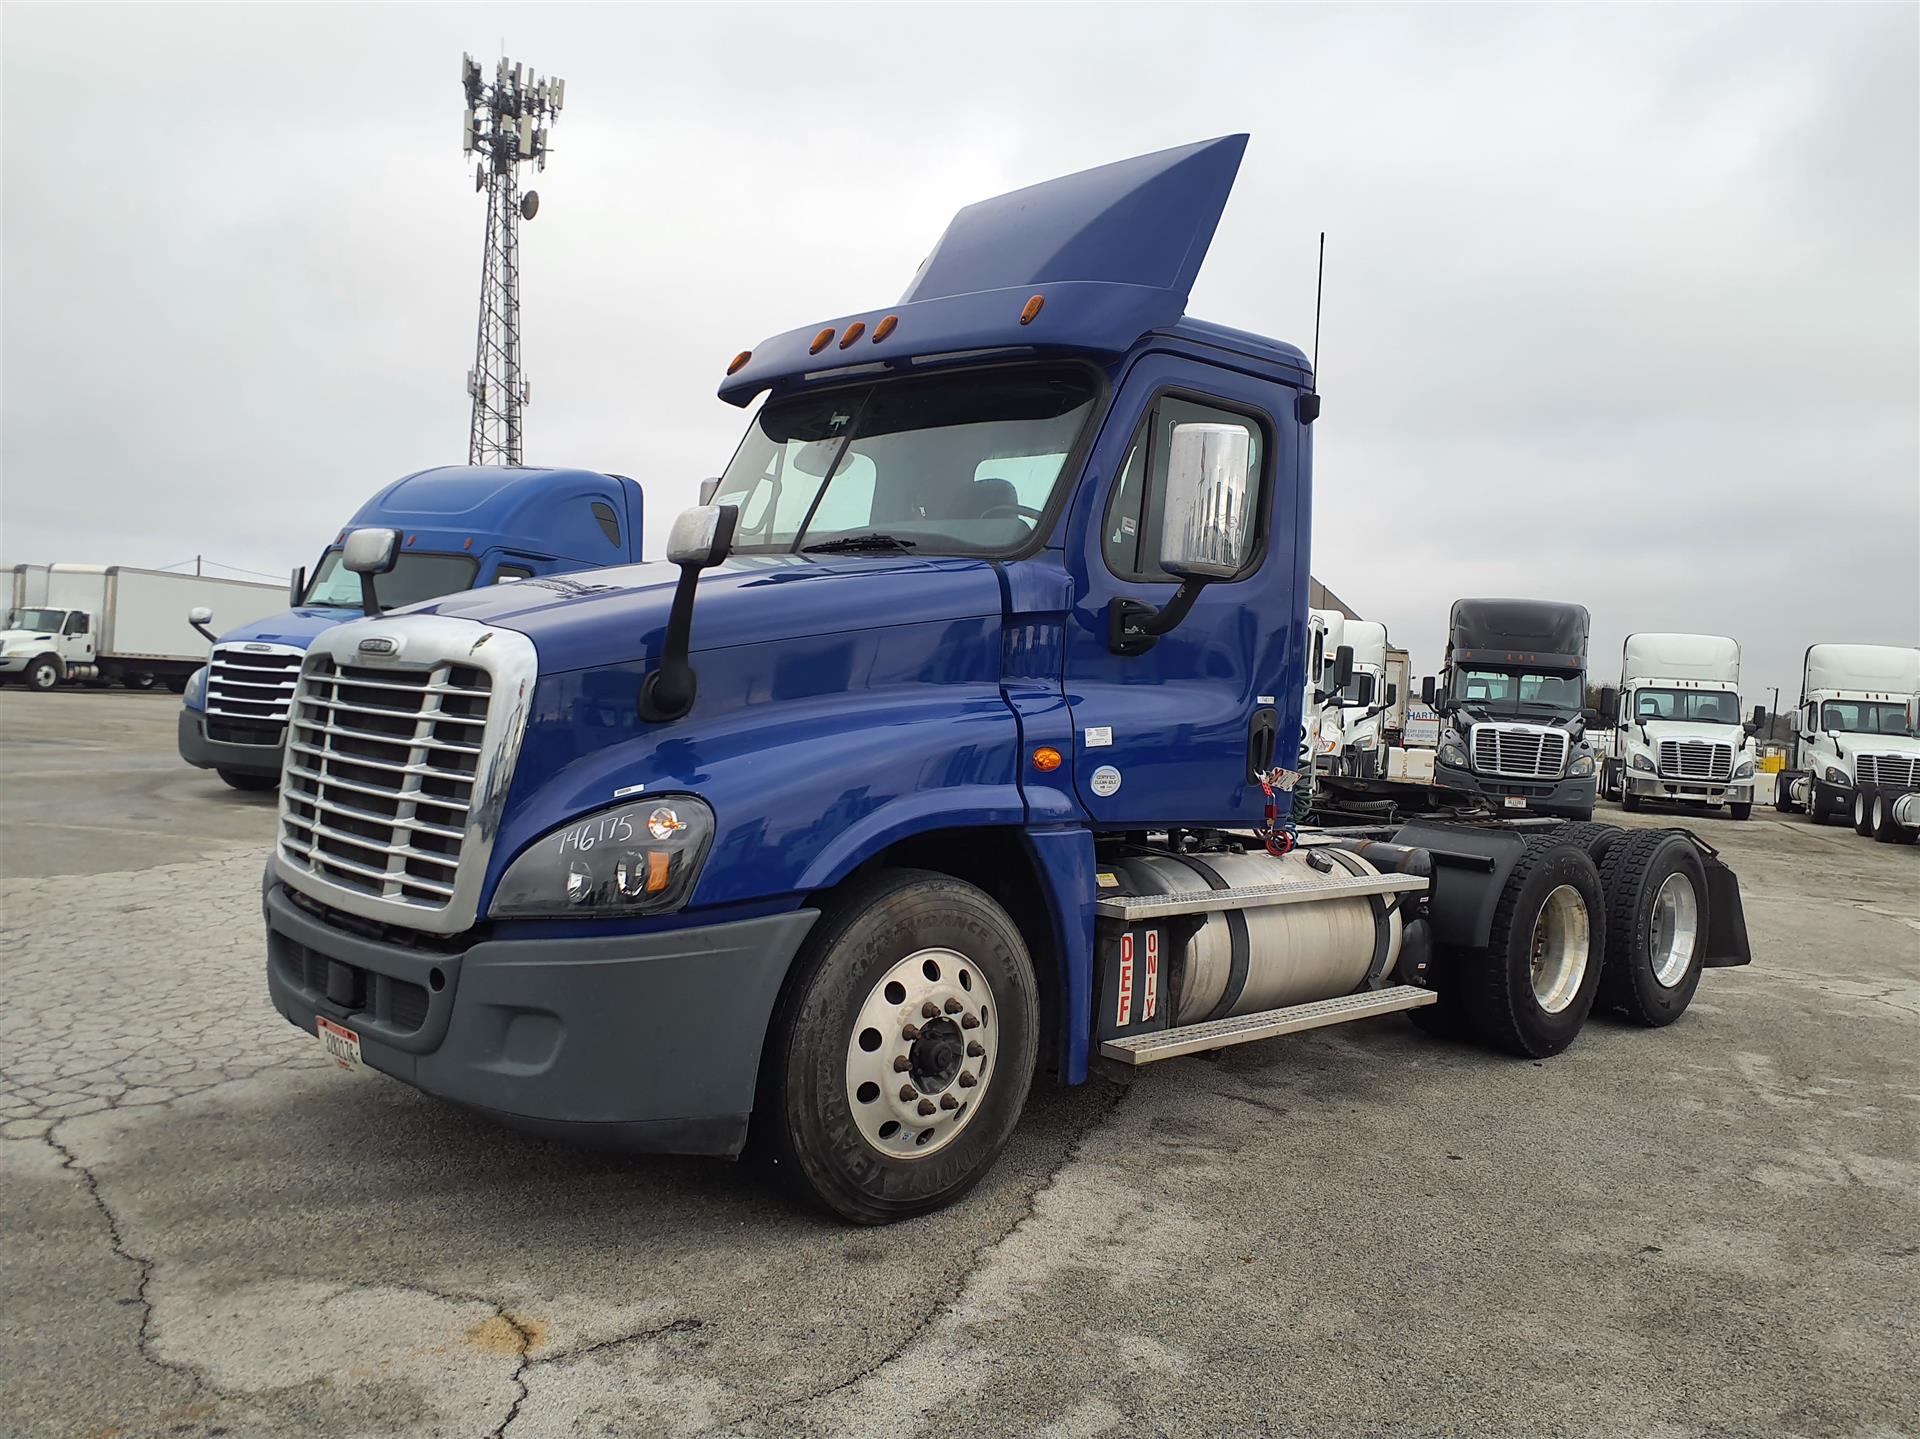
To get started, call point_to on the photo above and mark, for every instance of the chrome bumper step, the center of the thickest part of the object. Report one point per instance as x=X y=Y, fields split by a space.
x=1245 y=1028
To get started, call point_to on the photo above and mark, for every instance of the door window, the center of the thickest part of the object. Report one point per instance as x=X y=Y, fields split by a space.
x=76 y=623
x=1137 y=511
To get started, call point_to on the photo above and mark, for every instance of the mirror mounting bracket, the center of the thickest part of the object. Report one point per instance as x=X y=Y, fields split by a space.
x=1134 y=625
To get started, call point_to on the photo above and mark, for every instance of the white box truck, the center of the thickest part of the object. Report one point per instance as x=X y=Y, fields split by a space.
x=1678 y=733
x=107 y=623
x=1855 y=753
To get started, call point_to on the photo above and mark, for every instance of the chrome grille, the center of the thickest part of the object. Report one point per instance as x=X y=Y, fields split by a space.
x=1519 y=751
x=1695 y=759
x=1888 y=771
x=253 y=681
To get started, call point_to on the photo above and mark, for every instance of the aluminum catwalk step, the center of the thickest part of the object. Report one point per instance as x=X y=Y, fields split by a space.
x=1245 y=1028
x=1253 y=896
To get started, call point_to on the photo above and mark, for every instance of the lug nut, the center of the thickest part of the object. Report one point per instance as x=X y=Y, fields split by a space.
x=908 y=1092
x=947 y=1101
x=954 y=1006
x=967 y=1021
x=910 y=1033
x=926 y=1106
x=975 y=1049
x=929 y=1010
x=967 y=1081
x=901 y=1064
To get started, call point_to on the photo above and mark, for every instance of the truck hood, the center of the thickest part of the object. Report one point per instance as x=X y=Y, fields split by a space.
x=1853 y=744
x=1658 y=730
x=619 y=616
x=291 y=627
x=40 y=637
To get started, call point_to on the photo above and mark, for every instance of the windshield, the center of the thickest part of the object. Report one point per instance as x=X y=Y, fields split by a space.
x=959 y=463
x=36 y=619
x=1864 y=717
x=1520 y=689
x=1700 y=706
x=415 y=577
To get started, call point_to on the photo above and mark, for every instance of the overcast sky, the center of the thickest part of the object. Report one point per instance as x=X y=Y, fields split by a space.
x=1623 y=303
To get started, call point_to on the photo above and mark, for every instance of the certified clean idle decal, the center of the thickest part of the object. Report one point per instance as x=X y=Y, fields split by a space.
x=1105 y=781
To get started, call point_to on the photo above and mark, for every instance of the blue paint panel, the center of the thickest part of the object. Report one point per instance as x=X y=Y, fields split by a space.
x=1064 y=857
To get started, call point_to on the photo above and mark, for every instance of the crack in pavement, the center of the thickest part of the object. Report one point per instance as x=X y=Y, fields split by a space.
x=1110 y=1096
x=519 y=1376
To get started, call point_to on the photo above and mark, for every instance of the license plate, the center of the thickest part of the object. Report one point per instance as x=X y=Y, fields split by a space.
x=341 y=1043
x=1515 y=801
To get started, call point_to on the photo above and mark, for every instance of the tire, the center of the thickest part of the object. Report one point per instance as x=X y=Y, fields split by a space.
x=1629 y=801
x=133 y=681
x=43 y=674
x=1885 y=828
x=868 y=959
x=1782 y=801
x=1862 y=814
x=1741 y=811
x=1656 y=889
x=1595 y=839
x=1815 y=811
x=1553 y=899
x=250 y=782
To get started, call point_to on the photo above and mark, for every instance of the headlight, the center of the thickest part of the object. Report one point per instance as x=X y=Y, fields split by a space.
x=1641 y=761
x=1838 y=776
x=1453 y=753
x=1582 y=764
x=1743 y=770
x=639 y=858
x=195 y=693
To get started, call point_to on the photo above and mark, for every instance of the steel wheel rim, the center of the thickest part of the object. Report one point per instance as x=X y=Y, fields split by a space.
x=924 y=1040
x=1673 y=929
x=1562 y=943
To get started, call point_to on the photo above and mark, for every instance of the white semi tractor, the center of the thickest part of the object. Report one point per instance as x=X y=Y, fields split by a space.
x=1856 y=753
x=1678 y=732
x=106 y=623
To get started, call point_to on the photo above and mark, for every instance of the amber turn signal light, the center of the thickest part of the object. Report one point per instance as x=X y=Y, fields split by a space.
x=1031 y=309
x=739 y=360
x=1046 y=759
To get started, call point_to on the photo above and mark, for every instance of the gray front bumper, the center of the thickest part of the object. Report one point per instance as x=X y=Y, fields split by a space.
x=196 y=749
x=1652 y=786
x=640 y=1042
x=1562 y=796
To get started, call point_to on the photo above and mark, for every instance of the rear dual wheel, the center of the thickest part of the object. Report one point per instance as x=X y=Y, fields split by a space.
x=902 y=1050
x=1656 y=887
x=1530 y=990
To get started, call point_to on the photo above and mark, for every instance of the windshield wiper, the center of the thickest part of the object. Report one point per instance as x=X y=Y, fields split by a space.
x=849 y=543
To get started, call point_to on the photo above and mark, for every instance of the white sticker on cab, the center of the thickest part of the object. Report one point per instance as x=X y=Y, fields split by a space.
x=1099 y=736
x=1105 y=781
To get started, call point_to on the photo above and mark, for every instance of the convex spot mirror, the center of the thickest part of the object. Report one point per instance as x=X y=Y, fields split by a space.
x=371 y=551
x=703 y=536
x=199 y=615
x=1208 y=532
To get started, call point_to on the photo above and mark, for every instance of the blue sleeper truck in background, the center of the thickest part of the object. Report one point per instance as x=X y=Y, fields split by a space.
x=460 y=527
x=944 y=752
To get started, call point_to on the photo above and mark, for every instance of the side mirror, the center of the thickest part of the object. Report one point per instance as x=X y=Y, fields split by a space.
x=367 y=553
x=1759 y=720
x=1609 y=706
x=707 y=489
x=1426 y=691
x=297 y=587
x=1590 y=718
x=201 y=618
x=1342 y=668
x=700 y=539
x=1393 y=697
x=1207 y=532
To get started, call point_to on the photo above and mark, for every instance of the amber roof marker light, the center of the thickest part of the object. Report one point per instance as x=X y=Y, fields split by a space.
x=1032 y=308
x=884 y=328
x=852 y=333
x=739 y=360
x=821 y=341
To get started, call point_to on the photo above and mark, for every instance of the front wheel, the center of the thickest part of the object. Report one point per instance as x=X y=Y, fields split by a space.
x=1629 y=801
x=903 y=1048
x=1817 y=809
x=239 y=779
x=43 y=674
x=1741 y=811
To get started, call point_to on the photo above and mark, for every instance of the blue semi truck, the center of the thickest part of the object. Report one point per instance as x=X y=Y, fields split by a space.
x=460 y=527
x=942 y=754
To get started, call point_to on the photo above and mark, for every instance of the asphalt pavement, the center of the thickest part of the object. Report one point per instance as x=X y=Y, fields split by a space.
x=208 y=1229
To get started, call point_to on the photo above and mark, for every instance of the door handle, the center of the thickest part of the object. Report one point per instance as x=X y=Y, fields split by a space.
x=1263 y=735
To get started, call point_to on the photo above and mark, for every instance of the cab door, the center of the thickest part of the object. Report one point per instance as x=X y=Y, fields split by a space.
x=1169 y=736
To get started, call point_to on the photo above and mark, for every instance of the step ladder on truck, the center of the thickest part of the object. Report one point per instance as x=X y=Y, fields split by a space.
x=949 y=752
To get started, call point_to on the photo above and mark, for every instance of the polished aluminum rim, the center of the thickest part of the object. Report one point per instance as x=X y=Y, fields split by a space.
x=921 y=1053
x=1673 y=930
x=1562 y=940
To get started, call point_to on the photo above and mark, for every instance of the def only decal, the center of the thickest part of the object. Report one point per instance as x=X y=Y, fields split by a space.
x=1105 y=781
x=1150 y=981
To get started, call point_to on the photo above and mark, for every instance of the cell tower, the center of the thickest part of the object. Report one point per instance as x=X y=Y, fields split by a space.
x=506 y=126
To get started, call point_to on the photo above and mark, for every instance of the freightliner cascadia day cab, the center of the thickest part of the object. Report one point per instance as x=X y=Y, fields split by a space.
x=937 y=757
x=115 y=624
x=460 y=528
x=1511 y=698
x=1856 y=749
x=1678 y=731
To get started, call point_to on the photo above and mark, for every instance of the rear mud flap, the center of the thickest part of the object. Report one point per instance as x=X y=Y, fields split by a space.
x=1726 y=918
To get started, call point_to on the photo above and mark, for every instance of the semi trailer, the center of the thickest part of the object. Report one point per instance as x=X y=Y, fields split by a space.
x=1856 y=740
x=461 y=527
x=115 y=624
x=944 y=753
x=1678 y=734
x=1511 y=700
